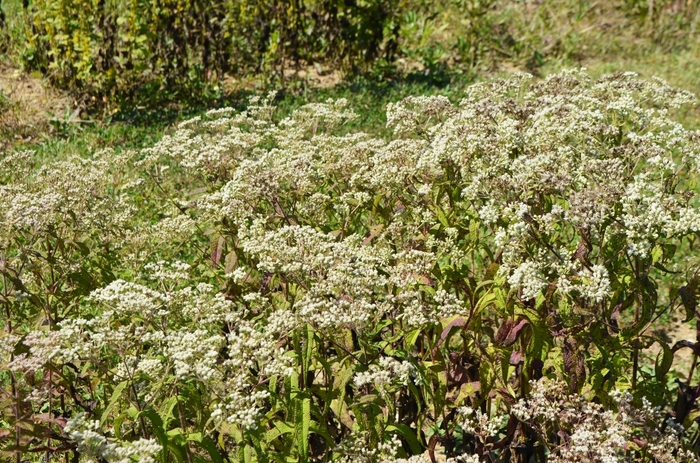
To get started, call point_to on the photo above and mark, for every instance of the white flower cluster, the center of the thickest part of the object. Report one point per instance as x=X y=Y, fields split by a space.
x=93 y=444
x=43 y=346
x=358 y=449
x=464 y=459
x=527 y=276
x=531 y=170
x=481 y=424
x=554 y=144
x=222 y=148
x=135 y=322
x=240 y=408
x=387 y=371
x=139 y=242
x=163 y=271
x=344 y=274
x=591 y=433
x=70 y=193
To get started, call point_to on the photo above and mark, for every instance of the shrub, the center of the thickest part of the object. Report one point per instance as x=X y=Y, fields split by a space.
x=485 y=282
x=116 y=47
x=124 y=54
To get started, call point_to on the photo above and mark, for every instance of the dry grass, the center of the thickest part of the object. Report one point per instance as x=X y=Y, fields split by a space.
x=27 y=106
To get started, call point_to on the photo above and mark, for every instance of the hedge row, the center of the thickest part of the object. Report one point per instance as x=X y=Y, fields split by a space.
x=103 y=47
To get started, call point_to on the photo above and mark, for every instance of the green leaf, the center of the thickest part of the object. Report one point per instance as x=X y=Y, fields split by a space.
x=665 y=270
x=177 y=432
x=490 y=273
x=474 y=230
x=664 y=360
x=176 y=451
x=315 y=428
x=168 y=445
x=166 y=411
x=455 y=323
x=133 y=412
x=484 y=302
x=689 y=302
x=408 y=434
x=342 y=378
x=440 y=214
x=412 y=337
x=117 y=425
x=113 y=401
x=281 y=428
x=365 y=399
x=207 y=444
x=303 y=421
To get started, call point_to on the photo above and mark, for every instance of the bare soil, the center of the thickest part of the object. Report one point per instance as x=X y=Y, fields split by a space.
x=674 y=332
x=27 y=106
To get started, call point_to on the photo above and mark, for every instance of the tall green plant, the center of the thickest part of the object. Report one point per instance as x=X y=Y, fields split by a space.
x=113 y=48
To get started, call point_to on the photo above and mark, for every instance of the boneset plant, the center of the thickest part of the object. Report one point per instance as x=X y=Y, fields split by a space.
x=484 y=284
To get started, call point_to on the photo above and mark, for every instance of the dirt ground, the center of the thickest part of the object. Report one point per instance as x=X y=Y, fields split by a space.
x=677 y=331
x=27 y=106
